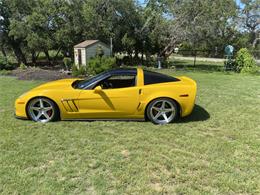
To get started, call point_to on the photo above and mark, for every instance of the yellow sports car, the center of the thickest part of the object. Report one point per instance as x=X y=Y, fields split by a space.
x=115 y=94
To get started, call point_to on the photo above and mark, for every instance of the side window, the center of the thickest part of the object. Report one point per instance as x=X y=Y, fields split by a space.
x=118 y=81
x=154 y=77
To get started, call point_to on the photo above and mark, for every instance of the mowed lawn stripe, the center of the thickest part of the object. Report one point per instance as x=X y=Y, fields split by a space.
x=215 y=150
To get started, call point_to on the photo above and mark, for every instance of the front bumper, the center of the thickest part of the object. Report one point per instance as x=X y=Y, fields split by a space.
x=20 y=109
x=20 y=117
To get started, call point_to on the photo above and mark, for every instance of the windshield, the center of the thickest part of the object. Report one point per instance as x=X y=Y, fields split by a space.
x=83 y=84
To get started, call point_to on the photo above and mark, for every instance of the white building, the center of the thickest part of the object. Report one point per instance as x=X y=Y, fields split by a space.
x=88 y=49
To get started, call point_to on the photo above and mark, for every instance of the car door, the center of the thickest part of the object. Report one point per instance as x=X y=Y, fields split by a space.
x=116 y=98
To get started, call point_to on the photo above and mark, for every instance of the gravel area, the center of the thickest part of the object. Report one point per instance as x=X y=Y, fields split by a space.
x=32 y=73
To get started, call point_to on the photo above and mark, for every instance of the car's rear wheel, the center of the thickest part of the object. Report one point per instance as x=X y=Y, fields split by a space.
x=42 y=109
x=162 y=111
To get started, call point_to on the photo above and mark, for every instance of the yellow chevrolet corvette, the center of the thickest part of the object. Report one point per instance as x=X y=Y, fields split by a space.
x=115 y=94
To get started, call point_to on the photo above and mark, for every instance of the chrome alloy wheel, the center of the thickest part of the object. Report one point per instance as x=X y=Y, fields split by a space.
x=162 y=111
x=41 y=110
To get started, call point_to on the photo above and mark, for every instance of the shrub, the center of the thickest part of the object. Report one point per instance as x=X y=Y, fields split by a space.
x=22 y=66
x=3 y=63
x=5 y=72
x=99 y=64
x=67 y=63
x=74 y=70
x=244 y=62
x=82 y=71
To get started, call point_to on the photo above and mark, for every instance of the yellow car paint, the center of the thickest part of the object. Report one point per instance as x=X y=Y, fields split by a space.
x=125 y=103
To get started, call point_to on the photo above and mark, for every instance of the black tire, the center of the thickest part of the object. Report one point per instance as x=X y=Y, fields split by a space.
x=41 y=109
x=159 y=114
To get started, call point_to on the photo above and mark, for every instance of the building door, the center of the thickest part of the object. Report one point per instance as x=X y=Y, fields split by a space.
x=79 y=57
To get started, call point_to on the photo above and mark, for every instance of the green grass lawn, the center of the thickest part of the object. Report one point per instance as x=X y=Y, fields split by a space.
x=199 y=65
x=214 y=151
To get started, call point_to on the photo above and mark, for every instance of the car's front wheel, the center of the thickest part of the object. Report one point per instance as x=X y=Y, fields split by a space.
x=162 y=111
x=41 y=109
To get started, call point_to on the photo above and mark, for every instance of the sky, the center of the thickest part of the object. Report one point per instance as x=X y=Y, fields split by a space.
x=239 y=3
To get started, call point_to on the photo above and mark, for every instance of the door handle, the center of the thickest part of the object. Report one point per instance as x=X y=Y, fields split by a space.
x=140 y=91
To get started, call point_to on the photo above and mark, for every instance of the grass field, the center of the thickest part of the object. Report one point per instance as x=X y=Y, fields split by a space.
x=199 y=65
x=206 y=64
x=214 y=151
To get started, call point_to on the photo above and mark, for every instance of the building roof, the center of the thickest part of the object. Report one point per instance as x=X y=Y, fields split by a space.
x=86 y=43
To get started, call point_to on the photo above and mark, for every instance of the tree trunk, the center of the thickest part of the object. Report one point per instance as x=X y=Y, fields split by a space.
x=55 y=57
x=255 y=39
x=37 y=55
x=16 y=46
x=142 y=58
x=136 y=54
x=33 y=57
x=48 y=57
x=255 y=42
x=18 y=53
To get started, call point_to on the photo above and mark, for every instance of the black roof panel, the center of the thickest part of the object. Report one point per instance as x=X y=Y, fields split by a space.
x=119 y=71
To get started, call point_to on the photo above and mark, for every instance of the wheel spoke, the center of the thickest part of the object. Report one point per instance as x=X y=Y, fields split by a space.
x=35 y=108
x=38 y=116
x=157 y=115
x=155 y=108
x=41 y=103
x=163 y=105
x=47 y=108
x=45 y=115
x=165 y=117
x=168 y=110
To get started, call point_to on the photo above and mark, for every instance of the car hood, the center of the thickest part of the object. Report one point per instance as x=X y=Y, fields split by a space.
x=59 y=84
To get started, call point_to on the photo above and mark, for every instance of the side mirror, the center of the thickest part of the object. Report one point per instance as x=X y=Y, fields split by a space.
x=97 y=89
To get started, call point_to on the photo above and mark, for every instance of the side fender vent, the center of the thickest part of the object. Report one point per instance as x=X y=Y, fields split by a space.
x=69 y=105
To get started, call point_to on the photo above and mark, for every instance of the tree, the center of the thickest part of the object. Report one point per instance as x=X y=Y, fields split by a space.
x=72 y=26
x=10 y=13
x=205 y=22
x=45 y=27
x=156 y=27
x=128 y=44
x=249 y=15
x=117 y=19
x=48 y=25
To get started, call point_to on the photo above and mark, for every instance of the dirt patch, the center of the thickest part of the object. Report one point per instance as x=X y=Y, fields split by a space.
x=32 y=73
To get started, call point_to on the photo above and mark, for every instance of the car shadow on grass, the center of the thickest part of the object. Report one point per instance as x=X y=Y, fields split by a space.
x=198 y=114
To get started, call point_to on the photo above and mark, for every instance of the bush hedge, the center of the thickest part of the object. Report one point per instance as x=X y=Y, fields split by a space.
x=67 y=63
x=245 y=62
x=5 y=65
x=82 y=71
x=100 y=64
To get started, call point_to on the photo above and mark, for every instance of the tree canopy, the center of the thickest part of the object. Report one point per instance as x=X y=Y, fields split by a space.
x=156 y=27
